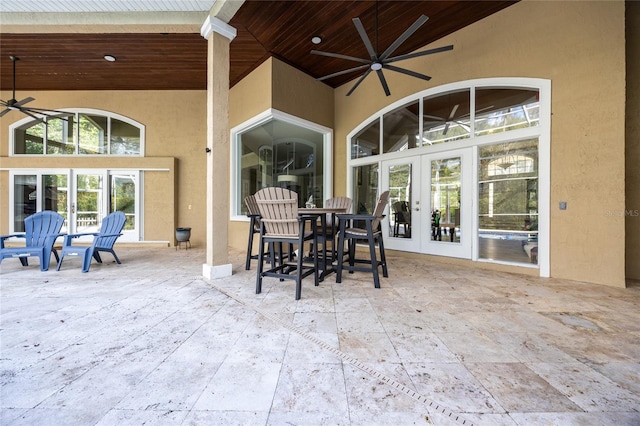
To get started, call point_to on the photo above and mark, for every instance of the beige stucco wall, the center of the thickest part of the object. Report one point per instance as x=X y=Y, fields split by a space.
x=632 y=211
x=579 y=46
x=279 y=86
x=301 y=95
x=175 y=148
x=252 y=95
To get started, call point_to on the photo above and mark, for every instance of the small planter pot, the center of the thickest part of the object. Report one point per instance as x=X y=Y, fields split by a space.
x=182 y=236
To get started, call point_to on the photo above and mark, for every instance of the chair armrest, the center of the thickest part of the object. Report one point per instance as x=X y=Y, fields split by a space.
x=79 y=235
x=69 y=237
x=107 y=235
x=341 y=216
x=309 y=215
x=6 y=237
x=349 y=219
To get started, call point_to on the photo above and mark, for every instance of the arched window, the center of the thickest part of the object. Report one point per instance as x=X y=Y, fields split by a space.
x=470 y=160
x=79 y=132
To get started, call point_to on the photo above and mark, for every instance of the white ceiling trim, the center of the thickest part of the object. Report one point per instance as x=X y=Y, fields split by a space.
x=88 y=6
x=213 y=24
x=111 y=22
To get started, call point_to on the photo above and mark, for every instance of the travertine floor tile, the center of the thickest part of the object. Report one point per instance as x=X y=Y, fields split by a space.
x=518 y=389
x=152 y=342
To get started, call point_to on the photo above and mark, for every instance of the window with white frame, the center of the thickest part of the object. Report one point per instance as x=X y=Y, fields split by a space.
x=81 y=132
x=277 y=149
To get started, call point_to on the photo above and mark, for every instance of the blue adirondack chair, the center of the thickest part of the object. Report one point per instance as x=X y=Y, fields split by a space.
x=104 y=240
x=41 y=231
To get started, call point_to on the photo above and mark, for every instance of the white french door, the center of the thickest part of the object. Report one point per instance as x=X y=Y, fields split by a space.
x=430 y=203
x=83 y=196
x=447 y=191
x=404 y=224
x=89 y=201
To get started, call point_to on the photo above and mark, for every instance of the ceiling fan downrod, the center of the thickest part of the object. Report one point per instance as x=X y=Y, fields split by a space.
x=13 y=95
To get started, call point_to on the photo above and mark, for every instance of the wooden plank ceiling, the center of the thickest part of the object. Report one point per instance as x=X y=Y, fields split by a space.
x=282 y=29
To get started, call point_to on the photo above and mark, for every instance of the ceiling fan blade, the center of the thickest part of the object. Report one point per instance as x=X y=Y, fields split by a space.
x=477 y=111
x=339 y=56
x=407 y=72
x=335 y=74
x=453 y=111
x=408 y=33
x=46 y=111
x=448 y=123
x=366 y=73
x=464 y=126
x=435 y=117
x=4 y=112
x=418 y=54
x=47 y=114
x=24 y=111
x=365 y=38
x=383 y=81
x=24 y=101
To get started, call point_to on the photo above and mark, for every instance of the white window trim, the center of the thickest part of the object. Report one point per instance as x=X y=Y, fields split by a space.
x=542 y=132
x=103 y=113
x=260 y=119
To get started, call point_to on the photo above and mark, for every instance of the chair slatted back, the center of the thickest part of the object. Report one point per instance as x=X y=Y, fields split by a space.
x=41 y=226
x=253 y=210
x=278 y=209
x=379 y=210
x=337 y=203
x=401 y=209
x=112 y=224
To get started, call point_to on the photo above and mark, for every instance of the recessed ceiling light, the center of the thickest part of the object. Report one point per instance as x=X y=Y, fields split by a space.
x=109 y=58
x=316 y=40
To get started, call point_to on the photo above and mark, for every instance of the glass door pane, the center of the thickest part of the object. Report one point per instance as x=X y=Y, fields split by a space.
x=365 y=194
x=55 y=196
x=447 y=180
x=123 y=197
x=24 y=199
x=508 y=202
x=88 y=209
x=403 y=217
x=445 y=199
x=400 y=200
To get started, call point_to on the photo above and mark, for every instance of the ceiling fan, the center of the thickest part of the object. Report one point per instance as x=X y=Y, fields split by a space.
x=451 y=120
x=447 y=121
x=378 y=62
x=14 y=105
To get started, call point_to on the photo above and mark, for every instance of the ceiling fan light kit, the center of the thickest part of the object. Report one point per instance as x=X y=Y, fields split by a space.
x=40 y=114
x=377 y=61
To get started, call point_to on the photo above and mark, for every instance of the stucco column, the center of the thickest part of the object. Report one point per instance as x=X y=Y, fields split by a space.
x=219 y=36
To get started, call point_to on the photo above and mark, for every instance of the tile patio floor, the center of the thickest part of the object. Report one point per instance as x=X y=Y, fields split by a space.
x=151 y=342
